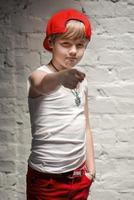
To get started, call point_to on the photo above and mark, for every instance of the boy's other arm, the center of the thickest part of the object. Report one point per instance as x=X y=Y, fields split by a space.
x=90 y=163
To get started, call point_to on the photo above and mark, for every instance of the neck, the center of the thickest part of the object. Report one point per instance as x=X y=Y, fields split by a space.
x=53 y=65
x=57 y=69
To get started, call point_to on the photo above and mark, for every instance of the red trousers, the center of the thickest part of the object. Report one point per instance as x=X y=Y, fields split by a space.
x=43 y=187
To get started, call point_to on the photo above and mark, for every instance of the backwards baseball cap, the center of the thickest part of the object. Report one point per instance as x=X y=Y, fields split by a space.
x=57 y=24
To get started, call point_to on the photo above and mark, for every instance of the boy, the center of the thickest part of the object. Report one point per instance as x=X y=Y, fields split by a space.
x=61 y=164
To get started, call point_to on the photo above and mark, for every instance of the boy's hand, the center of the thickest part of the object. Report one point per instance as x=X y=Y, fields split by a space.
x=70 y=78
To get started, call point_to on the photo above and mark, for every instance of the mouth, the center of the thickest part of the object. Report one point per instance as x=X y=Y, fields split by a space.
x=72 y=58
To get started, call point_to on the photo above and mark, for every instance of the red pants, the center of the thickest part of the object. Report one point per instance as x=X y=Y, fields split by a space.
x=43 y=187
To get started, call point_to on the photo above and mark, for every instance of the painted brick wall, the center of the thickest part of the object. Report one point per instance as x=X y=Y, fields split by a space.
x=109 y=63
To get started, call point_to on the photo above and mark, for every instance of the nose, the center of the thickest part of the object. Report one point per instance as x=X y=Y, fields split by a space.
x=73 y=50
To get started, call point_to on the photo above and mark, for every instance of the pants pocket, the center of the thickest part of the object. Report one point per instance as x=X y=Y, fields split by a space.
x=88 y=179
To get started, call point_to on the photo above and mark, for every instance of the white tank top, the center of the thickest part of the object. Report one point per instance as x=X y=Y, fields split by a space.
x=58 y=130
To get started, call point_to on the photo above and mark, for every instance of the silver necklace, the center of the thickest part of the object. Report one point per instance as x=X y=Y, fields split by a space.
x=77 y=97
x=74 y=91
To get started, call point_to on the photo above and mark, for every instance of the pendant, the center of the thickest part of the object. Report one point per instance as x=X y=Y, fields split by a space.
x=77 y=100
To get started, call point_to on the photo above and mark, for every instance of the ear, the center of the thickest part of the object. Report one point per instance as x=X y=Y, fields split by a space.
x=50 y=43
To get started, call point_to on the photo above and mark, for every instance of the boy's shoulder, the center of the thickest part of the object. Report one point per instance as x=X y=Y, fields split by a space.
x=44 y=68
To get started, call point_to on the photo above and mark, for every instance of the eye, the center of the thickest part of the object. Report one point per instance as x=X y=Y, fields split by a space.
x=80 y=45
x=65 y=44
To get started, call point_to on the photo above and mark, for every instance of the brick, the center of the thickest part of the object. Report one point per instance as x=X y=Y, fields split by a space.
x=7 y=106
x=125 y=41
x=116 y=42
x=11 y=40
x=47 y=8
x=22 y=165
x=104 y=194
x=127 y=74
x=105 y=166
x=9 y=121
x=9 y=194
x=124 y=9
x=124 y=105
x=125 y=136
x=130 y=2
x=35 y=41
x=45 y=57
x=22 y=152
x=90 y=58
x=113 y=122
x=99 y=151
x=106 y=122
x=2 y=58
x=26 y=137
x=118 y=182
x=109 y=135
x=28 y=59
x=119 y=151
x=7 y=90
x=100 y=9
x=3 y=194
x=7 y=166
x=127 y=195
x=128 y=165
x=104 y=41
x=10 y=58
x=122 y=121
x=24 y=23
x=102 y=105
x=112 y=89
x=5 y=41
x=125 y=25
x=115 y=57
x=7 y=136
x=20 y=41
x=6 y=75
x=101 y=75
x=111 y=59
x=94 y=120
x=10 y=180
x=7 y=152
x=21 y=182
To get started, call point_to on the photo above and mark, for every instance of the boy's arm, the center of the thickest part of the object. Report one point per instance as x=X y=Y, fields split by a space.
x=42 y=83
x=90 y=163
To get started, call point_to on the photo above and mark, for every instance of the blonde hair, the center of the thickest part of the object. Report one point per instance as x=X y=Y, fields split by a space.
x=74 y=30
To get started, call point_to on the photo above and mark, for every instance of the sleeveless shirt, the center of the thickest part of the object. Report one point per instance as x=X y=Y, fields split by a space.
x=58 y=129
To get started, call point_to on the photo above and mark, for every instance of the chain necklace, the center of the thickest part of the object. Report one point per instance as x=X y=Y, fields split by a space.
x=51 y=63
x=74 y=91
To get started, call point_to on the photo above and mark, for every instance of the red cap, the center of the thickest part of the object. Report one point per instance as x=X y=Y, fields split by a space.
x=57 y=23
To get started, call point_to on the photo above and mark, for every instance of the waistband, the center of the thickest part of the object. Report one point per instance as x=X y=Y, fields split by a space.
x=78 y=172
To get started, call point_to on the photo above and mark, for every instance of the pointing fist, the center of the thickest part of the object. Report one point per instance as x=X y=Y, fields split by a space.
x=70 y=78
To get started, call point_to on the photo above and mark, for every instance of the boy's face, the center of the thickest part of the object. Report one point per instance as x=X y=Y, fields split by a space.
x=68 y=52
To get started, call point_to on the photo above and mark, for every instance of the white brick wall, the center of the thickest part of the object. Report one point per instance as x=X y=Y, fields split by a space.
x=109 y=63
